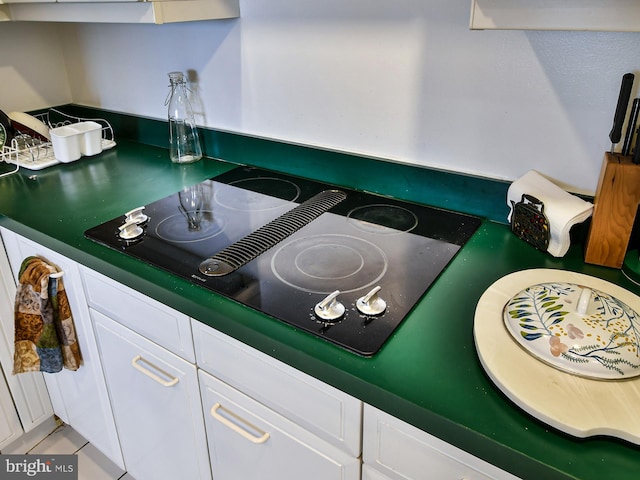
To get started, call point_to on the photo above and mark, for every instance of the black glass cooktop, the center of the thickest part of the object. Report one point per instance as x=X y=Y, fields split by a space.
x=344 y=265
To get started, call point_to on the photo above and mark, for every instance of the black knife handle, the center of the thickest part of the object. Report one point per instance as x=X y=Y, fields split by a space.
x=621 y=109
x=631 y=127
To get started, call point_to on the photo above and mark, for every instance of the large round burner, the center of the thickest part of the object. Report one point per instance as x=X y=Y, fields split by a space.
x=176 y=228
x=351 y=262
x=325 y=263
x=383 y=219
x=257 y=194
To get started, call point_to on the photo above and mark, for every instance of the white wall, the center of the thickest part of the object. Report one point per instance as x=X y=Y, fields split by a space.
x=32 y=70
x=404 y=80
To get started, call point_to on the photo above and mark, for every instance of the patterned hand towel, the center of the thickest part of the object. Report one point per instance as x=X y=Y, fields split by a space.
x=45 y=336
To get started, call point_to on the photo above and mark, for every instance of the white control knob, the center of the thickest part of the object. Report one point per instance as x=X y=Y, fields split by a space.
x=136 y=216
x=330 y=308
x=371 y=303
x=130 y=230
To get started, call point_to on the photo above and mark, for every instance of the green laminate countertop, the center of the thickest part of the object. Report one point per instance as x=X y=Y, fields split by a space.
x=427 y=374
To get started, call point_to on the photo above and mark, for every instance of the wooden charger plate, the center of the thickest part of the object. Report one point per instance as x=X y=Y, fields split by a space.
x=579 y=406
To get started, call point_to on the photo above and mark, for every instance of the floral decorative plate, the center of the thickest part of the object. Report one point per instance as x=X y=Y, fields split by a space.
x=576 y=329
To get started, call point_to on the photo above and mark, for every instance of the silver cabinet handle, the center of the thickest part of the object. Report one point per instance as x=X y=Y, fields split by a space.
x=225 y=421
x=136 y=364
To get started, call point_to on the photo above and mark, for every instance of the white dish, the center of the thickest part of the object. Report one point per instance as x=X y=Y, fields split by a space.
x=576 y=329
x=25 y=123
x=576 y=405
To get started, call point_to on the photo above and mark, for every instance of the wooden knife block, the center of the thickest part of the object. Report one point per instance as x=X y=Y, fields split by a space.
x=615 y=206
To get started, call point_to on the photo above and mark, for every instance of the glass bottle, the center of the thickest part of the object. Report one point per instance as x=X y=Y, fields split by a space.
x=184 y=143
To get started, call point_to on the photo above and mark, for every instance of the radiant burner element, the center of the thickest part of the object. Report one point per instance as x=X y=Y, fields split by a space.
x=172 y=229
x=259 y=194
x=383 y=219
x=348 y=271
x=324 y=263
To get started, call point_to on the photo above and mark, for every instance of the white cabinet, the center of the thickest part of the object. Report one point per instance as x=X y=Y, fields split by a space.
x=314 y=430
x=248 y=440
x=79 y=397
x=24 y=401
x=268 y=420
x=29 y=390
x=156 y=401
x=595 y=15
x=27 y=1
x=151 y=319
x=327 y=412
x=370 y=473
x=148 y=359
x=395 y=450
x=10 y=428
x=120 y=11
x=29 y=393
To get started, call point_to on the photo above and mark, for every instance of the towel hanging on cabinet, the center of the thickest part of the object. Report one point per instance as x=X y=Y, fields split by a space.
x=45 y=335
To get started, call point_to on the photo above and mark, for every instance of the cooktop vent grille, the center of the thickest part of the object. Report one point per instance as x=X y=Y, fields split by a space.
x=269 y=235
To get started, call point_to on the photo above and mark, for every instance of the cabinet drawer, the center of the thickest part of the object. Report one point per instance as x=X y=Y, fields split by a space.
x=401 y=451
x=323 y=410
x=248 y=440
x=149 y=318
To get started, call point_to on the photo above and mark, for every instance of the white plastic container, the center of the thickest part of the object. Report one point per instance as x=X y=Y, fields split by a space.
x=90 y=137
x=66 y=143
x=70 y=142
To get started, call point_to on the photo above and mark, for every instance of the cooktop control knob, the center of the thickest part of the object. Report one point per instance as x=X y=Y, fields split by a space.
x=130 y=230
x=371 y=303
x=330 y=308
x=136 y=216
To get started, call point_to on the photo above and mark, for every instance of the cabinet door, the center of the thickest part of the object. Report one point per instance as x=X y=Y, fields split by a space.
x=155 y=400
x=118 y=11
x=28 y=1
x=10 y=428
x=29 y=390
x=394 y=449
x=79 y=398
x=370 y=473
x=248 y=440
x=600 y=15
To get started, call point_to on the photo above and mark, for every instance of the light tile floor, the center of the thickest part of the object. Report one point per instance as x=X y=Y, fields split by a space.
x=92 y=465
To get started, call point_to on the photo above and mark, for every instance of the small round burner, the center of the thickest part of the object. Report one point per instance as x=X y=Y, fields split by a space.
x=383 y=219
x=176 y=228
x=257 y=194
x=325 y=263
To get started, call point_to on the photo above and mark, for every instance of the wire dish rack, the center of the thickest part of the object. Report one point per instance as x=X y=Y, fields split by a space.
x=34 y=154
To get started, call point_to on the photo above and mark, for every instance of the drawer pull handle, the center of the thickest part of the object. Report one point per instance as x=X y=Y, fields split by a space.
x=150 y=374
x=214 y=413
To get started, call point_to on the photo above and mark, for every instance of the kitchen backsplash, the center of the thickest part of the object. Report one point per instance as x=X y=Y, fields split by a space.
x=406 y=81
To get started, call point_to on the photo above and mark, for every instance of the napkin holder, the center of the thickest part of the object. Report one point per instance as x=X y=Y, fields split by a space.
x=529 y=222
x=615 y=207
